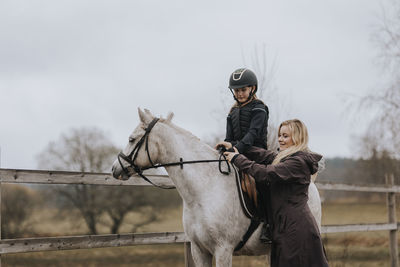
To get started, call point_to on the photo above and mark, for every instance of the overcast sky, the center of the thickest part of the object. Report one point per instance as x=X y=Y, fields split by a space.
x=67 y=63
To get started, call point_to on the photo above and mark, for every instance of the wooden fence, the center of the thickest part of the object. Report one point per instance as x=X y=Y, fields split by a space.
x=115 y=240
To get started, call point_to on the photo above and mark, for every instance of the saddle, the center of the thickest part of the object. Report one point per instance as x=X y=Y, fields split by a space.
x=251 y=204
x=248 y=185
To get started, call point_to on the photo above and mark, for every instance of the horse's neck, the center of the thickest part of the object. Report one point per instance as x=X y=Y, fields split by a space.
x=193 y=180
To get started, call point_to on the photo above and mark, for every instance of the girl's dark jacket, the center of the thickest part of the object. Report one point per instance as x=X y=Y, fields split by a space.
x=295 y=234
x=247 y=125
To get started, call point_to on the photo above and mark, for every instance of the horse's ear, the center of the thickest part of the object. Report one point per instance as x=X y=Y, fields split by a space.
x=148 y=112
x=145 y=117
x=170 y=116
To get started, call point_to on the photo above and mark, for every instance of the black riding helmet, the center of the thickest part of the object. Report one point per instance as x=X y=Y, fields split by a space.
x=241 y=78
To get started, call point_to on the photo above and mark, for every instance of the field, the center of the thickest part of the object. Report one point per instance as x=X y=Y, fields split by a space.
x=347 y=249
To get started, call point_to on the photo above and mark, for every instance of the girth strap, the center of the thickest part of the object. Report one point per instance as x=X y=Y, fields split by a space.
x=252 y=227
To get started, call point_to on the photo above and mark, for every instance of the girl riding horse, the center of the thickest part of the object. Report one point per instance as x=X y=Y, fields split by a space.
x=246 y=126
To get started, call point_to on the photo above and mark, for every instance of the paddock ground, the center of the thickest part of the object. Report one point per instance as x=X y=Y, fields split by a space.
x=345 y=249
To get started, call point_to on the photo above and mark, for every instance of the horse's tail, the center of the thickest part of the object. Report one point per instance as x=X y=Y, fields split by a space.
x=314 y=177
x=321 y=168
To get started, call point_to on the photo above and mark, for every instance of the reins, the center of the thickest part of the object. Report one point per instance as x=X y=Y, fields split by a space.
x=145 y=139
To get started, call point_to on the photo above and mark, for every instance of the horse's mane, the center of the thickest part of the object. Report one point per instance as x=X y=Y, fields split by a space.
x=186 y=133
x=179 y=129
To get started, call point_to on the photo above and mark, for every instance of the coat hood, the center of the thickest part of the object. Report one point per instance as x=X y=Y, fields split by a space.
x=312 y=159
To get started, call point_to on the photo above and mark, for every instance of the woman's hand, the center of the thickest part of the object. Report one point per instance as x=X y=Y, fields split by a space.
x=227 y=145
x=230 y=155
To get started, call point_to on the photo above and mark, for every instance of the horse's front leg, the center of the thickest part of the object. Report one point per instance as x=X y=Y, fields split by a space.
x=201 y=258
x=223 y=257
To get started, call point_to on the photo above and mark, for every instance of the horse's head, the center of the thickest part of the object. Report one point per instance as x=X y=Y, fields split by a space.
x=142 y=150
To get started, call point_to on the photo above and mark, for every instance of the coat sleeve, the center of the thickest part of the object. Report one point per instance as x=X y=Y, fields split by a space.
x=290 y=170
x=260 y=155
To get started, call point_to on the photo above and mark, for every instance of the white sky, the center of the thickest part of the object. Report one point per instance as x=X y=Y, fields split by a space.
x=70 y=63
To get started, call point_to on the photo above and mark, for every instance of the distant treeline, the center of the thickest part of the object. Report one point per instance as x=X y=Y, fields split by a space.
x=357 y=171
x=360 y=171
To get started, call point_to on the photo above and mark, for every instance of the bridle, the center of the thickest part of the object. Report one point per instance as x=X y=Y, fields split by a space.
x=133 y=167
x=139 y=170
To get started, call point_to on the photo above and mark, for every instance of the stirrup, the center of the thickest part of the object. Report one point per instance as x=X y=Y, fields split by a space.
x=265 y=236
x=265 y=239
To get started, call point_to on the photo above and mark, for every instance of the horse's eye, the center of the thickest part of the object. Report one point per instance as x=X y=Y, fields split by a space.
x=131 y=139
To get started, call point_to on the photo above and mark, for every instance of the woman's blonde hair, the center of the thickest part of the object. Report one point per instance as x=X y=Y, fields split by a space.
x=299 y=133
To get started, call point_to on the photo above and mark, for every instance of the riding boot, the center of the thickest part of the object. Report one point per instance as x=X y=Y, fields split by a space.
x=266 y=236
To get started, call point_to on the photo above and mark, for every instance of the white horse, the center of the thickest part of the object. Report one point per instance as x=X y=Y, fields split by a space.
x=213 y=219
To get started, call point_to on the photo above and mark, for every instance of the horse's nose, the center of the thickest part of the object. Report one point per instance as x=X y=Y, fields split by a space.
x=113 y=169
x=113 y=172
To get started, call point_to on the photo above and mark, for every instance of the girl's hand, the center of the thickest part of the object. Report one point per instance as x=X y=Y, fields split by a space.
x=230 y=155
x=227 y=145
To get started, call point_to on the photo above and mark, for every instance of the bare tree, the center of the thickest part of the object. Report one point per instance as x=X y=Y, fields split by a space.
x=89 y=150
x=19 y=202
x=85 y=150
x=379 y=145
x=384 y=101
x=150 y=202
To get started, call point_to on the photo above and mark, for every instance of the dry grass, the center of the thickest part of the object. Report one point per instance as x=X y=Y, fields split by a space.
x=365 y=249
x=352 y=213
x=50 y=222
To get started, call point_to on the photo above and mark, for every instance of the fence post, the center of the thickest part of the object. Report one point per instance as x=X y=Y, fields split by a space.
x=0 y=217
x=188 y=255
x=391 y=204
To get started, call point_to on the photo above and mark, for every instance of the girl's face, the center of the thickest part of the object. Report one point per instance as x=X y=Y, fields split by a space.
x=285 y=138
x=242 y=94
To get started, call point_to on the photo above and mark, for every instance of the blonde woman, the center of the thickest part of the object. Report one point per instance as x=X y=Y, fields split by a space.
x=296 y=240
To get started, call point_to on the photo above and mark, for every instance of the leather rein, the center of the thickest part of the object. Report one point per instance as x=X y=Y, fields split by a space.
x=139 y=170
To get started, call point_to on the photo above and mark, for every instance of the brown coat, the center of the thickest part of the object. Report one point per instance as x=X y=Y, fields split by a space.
x=295 y=234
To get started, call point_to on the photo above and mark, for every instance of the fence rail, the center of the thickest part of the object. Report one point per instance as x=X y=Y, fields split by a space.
x=64 y=177
x=22 y=245
x=88 y=241
x=98 y=241
x=89 y=178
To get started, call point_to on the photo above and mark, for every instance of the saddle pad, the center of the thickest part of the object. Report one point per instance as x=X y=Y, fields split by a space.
x=247 y=194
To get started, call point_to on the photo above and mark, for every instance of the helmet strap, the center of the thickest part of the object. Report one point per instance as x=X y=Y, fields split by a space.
x=234 y=97
x=252 y=92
